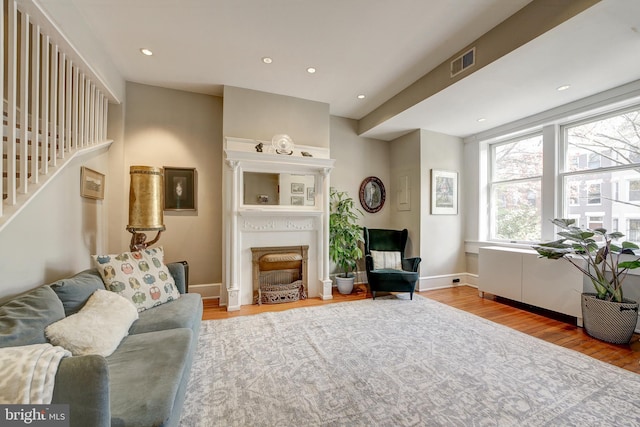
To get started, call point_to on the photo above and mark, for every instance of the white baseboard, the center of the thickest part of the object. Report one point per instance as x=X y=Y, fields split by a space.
x=207 y=290
x=447 y=281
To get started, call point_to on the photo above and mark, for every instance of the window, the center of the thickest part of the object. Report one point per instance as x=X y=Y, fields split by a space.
x=595 y=222
x=515 y=189
x=594 y=164
x=634 y=190
x=593 y=193
x=574 y=194
x=608 y=149
x=633 y=230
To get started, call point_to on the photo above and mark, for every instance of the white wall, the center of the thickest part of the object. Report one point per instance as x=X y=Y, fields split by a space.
x=55 y=234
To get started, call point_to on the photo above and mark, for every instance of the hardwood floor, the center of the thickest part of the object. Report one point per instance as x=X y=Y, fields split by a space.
x=550 y=327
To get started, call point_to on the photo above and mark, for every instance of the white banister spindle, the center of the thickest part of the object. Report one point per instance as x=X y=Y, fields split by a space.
x=81 y=110
x=61 y=104
x=44 y=90
x=105 y=116
x=87 y=116
x=74 y=112
x=92 y=116
x=12 y=83
x=100 y=107
x=99 y=117
x=67 y=106
x=23 y=169
x=35 y=100
x=53 y=104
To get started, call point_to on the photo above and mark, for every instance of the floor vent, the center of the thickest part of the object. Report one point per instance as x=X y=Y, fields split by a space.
x=464 y=61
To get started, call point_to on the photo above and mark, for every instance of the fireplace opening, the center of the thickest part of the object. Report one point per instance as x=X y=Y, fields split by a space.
x=279 y=274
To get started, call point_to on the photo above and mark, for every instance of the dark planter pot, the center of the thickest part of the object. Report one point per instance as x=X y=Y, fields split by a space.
x=609 y=321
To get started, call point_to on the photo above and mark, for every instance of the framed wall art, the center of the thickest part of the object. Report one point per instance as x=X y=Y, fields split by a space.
x=180 y=189
x=444 y=192
x=297 y=188
x=91 y=184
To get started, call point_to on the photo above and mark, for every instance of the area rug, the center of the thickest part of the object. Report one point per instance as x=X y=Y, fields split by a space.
x=396 y=362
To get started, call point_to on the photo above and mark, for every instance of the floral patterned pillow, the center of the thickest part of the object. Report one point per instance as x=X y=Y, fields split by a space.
x=141 y=277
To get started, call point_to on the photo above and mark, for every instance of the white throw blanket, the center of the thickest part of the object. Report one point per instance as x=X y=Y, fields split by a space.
x=27 y=373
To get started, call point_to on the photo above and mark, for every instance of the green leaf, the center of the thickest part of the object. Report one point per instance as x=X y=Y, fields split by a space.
x=629 y=264
x=615 y=235
x=564 y=223
x=629 y=245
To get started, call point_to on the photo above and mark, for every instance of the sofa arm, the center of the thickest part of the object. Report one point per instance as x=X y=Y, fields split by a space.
x=82 y=382
x=411 y=264
x=179 y=271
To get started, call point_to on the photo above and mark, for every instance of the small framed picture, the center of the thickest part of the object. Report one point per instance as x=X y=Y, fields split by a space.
x=444 y=192
x=297 y=188
x=297 y=200
x=91 y=184
x=311 y=193
x=180 y=189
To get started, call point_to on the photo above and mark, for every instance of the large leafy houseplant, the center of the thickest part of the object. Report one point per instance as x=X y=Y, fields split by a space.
x=344 y=231
x=605 y=265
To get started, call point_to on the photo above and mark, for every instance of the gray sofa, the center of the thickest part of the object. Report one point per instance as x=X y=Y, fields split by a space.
x=143 y=383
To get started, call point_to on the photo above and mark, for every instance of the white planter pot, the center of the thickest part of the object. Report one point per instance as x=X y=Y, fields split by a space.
x=345 y=284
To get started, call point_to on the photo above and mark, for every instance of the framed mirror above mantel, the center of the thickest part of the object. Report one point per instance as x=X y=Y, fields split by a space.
x=267 y=179
x=273 y=199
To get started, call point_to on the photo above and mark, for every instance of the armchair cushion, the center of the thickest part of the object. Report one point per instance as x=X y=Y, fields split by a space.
x=386 y=259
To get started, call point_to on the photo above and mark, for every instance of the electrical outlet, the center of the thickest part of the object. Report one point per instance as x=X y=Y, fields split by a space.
x=456 y=280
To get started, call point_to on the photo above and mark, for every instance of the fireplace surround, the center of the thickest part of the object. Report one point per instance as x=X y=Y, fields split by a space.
x=252 y=225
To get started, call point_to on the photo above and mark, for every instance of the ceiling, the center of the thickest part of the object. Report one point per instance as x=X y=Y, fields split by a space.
x=371 y=47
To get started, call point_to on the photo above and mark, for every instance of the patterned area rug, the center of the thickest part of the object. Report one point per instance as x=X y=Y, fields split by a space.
x=395 y=362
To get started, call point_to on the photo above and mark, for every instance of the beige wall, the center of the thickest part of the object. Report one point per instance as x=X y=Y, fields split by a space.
x=405 y=161
x=165 y=127
x=55 y=234
x=357 y=158
x=259 y=115
x=442 y=236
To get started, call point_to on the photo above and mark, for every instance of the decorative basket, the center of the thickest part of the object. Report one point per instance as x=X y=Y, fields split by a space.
x=609 y=321
x=275 y=294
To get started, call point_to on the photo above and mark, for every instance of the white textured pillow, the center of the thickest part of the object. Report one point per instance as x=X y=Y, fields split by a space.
x=386 y=259
x=97 y=328
x=141 y=277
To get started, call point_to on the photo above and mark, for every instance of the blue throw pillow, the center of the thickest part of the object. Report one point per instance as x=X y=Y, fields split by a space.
x=75 y=291
x=23 y=319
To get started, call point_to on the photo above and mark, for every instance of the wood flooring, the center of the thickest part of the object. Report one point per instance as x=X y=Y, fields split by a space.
x=548 y=326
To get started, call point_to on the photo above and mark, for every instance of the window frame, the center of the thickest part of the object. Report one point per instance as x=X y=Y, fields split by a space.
x=492 y=182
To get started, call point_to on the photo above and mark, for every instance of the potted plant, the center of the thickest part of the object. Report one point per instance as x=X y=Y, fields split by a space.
x=344 y=237
x=607 y=315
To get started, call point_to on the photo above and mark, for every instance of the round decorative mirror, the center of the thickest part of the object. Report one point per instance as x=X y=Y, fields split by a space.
x=372 y=194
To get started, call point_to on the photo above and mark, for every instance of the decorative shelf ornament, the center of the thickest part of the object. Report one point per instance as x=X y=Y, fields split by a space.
x=283 y=144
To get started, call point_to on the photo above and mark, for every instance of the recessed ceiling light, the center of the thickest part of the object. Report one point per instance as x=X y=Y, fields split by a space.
x=361 y=96
x=311 y=70
x=563 y=87
x=481 y=119
x=146 y=51
x=267 y=60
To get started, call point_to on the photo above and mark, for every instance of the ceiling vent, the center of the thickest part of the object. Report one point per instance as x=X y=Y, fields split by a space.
x=464 y=61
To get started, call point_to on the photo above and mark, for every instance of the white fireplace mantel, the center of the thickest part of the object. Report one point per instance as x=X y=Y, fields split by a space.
x=247 y=226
